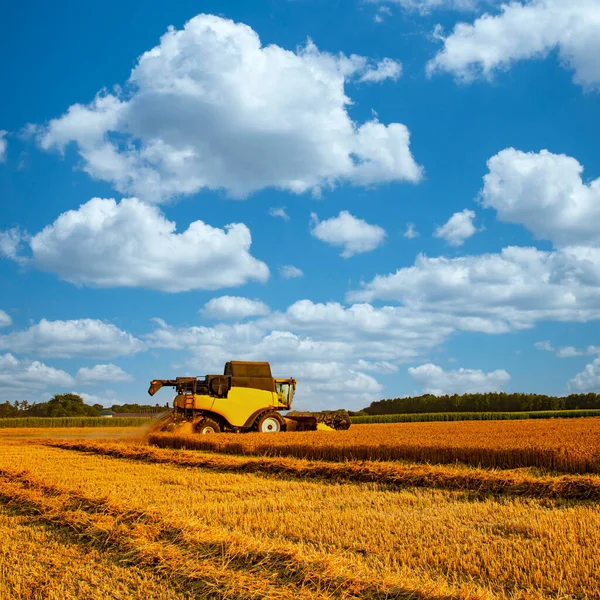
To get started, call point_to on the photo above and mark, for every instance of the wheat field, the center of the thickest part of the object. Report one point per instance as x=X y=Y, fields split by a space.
x=565 y=445
x=117 y=518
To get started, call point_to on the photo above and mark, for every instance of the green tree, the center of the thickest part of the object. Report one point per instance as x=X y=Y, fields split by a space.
x=70 y=405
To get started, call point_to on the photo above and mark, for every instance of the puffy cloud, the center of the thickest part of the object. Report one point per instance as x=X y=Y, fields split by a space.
x=24 y=377
x=279 y=212
x=5 y=319
x=545 y=193
x=343 y=388
x=132 y=244
x=567 y=351
x=67 y=339
x=499 y=292
x=3 y=145
x=411 y=233
x=209 y=107
x=519 y=286
x=409 y=329
x=523 y=31
x=97 y=373
x=233 y=308
x=11 y=242
x=290 y=272
x=385 y=69
x=588 y=380
x=106 y=398
x=458 y=228
x=354 y=235
x=435 y=380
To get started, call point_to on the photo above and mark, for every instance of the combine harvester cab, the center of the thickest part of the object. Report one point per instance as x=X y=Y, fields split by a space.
x=245 y=398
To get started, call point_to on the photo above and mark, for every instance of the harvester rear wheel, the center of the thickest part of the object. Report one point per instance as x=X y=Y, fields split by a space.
x=270 y=422
x=207 y=426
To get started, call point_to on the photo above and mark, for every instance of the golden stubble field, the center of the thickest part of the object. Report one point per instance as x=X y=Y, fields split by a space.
x=84 y=515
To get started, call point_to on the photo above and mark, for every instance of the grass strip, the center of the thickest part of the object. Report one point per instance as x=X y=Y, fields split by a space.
x=567 y=487
x=207 y=563
x=473 y=416
x=44 y=422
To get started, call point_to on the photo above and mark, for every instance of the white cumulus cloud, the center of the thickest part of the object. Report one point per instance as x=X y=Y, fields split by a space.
x=234 y=307
x=24 y=379
x=587 y=380
x=210 y=107
x=519 y=286
x=410 y=233
x=385 y=69
x=544 y=192
x=523 y=31
x=98 y=373
x=434 y=380
x=354 y=235
x=497 y=292
x=290 y=272
x=567 y=351
x=11 y=242
x=76 y=338
x=131 y=244
x=279 y=212
x=458 y=228
x=5 y=319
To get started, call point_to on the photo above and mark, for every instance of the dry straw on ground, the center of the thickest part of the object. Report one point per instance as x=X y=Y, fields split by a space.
x=218 y=531
x=392 y=474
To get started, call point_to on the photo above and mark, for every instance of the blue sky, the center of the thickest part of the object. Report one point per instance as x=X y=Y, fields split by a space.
x=188 y=183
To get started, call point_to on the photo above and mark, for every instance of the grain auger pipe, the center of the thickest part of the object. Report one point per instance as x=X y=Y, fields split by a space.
x=245 y=398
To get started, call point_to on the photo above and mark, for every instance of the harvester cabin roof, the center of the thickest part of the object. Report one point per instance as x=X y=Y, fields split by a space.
x=255 y=375
x=238 y=368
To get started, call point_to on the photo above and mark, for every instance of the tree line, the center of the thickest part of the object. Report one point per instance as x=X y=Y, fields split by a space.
x=69 y=405
x=486 y=402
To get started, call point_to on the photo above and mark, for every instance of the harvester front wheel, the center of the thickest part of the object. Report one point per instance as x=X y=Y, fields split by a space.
x=270 y=422
x=207 y=426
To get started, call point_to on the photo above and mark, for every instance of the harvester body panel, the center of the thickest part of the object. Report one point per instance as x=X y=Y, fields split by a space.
x=239 y=404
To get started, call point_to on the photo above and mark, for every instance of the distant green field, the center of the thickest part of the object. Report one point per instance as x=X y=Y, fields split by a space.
x=74 y=422
x=473 y=416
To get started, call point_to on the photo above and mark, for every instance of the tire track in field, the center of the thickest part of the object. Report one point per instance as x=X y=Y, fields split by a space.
x=394 y=475
x=213 y=564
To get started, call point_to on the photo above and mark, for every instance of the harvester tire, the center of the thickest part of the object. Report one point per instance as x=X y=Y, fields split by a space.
x=207 y=426
x=270 y=422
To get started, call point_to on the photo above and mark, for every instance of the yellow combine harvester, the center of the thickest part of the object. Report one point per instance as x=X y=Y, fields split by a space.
x=245 y=398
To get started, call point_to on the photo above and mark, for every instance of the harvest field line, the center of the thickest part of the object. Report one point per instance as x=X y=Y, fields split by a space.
x=144 y=539
x=474 y=416
x=560 y=445
x=394 y=475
